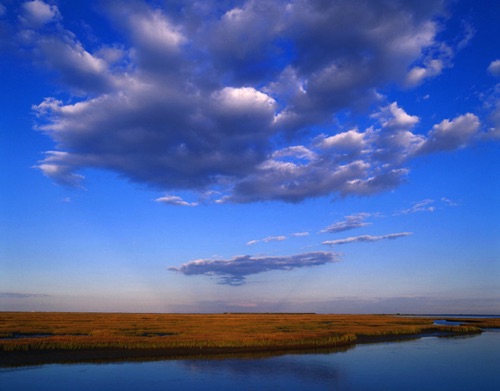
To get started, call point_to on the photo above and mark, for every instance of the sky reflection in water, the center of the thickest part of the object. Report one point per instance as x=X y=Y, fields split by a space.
x=459 y=363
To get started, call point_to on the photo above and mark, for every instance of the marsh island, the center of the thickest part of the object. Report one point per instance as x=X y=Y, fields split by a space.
x=40 y=337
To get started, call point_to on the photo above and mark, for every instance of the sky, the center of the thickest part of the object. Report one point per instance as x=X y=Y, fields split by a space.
x=250 y=156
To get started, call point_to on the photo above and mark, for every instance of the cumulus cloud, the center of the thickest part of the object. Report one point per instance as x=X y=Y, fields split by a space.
x=350 y=222
x=234 y=271
x=222 y=97
x=449 y=135
x=494 y=68
x=37 y=13
x=353 y=162
x=365 y=238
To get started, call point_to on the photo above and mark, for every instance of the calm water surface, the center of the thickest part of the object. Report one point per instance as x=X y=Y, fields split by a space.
x=458 y=363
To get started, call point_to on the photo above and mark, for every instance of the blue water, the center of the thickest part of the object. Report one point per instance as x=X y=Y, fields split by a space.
x=458 y=363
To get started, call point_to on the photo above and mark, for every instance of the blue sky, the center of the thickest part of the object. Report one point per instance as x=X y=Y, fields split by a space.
x=184 y=156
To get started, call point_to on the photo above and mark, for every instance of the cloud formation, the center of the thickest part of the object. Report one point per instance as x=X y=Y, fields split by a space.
x=365 y=238
x=222 y=97
x=234 y=271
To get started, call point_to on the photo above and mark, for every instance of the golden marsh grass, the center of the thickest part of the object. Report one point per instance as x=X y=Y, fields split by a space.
x=42 y=331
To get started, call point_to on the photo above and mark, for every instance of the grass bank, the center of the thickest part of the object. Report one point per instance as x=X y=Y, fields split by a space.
x=46 y=336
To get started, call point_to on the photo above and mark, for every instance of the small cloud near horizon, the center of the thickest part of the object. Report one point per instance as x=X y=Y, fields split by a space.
x=15 y=295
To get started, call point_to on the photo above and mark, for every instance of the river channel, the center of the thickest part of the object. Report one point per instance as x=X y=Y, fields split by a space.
x=429 y=363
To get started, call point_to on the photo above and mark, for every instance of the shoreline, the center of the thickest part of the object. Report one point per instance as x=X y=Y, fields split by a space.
x=116 y=355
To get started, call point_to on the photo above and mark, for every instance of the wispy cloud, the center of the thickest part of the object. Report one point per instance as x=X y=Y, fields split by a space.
x=427 y=205
x=365 y=238
x=13 y=295
x=420 y=206
x=449 y=202
x=350 y=222
x=234 y=271
x=300 y=234
x=267 y=240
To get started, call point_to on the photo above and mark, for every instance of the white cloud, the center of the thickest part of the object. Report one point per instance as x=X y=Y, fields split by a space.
x=427 y=205
x=77 y=66
x=439 y=56
x=234 y=271
x=350 y=222
x=352 y=140
x=494 y=68
x=420 y=206
x=418 y=74
x=175 y=200
x=394 y=117
x=59 y=167
x=37 y=13
x=365 y=238
x=154 y=29
x=267 y=240
x=298 y=152
x=274 y=239
x=449 y=135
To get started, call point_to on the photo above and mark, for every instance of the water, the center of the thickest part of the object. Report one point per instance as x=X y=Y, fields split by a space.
x=458 y=363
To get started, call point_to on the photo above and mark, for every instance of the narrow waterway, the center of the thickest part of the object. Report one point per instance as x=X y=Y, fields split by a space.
x=430 y=363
